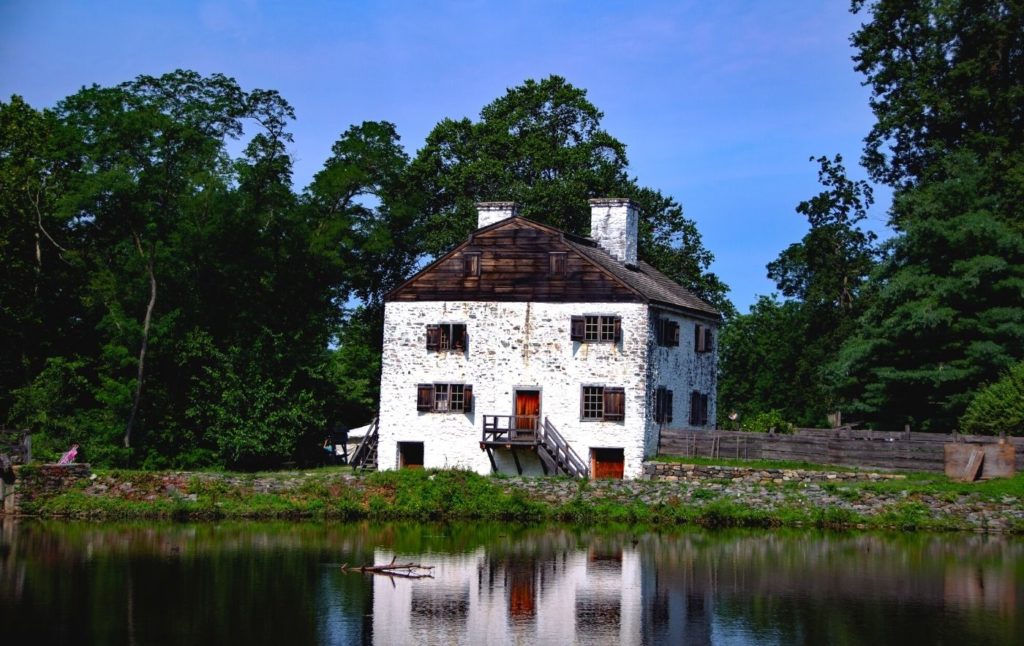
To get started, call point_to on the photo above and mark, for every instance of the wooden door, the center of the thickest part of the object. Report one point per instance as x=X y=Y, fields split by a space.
x=527 y=409
x=607 y=463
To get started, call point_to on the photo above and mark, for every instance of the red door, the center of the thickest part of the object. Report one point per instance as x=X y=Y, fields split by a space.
x=527 y=409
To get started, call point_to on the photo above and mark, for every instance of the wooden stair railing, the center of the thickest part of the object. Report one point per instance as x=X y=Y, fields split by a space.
x=364 y=458
x=556 y=453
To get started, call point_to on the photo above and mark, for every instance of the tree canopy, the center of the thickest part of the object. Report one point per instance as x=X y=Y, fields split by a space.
x=946 y=310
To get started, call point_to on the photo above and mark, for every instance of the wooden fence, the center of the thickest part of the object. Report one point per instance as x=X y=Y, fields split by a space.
x=906 y=451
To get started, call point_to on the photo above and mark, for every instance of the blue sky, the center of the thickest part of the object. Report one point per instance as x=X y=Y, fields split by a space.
x=720 y=103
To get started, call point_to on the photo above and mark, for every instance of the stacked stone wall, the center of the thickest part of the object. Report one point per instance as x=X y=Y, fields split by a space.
x=40 y=481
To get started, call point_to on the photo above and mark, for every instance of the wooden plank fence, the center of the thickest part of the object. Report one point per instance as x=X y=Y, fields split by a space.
x=898 y=451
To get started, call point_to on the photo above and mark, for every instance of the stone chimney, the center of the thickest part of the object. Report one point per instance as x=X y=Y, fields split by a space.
x=613 y=226
x=491 y=212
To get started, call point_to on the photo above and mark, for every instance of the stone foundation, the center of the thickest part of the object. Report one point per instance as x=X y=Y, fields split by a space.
x=37 y=481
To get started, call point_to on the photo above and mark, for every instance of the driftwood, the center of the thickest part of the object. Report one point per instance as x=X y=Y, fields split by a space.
x=402 y=570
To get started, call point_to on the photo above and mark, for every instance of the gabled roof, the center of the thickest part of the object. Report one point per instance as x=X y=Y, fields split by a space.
x=643 y=282
x=653 y=285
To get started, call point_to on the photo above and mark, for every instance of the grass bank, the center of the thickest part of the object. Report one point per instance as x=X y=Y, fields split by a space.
x=921 y=502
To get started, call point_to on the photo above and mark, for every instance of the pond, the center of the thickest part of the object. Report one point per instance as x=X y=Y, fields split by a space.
x=282 y=583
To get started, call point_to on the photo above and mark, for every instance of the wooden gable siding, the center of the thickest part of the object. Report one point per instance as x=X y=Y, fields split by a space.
x=515 y=266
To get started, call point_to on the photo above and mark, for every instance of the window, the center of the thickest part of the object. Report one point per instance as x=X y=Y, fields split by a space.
x=556 y=263
x=446 y=336
x=703 y=339
x=444 y=398
x=663 y=405
x=601 y=403
x=698 y=409
x=410 y=455
x=668 y=332
x=471 y=264
x=596 y=329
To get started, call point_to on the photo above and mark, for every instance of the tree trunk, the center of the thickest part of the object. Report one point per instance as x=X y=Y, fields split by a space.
x=145 y=343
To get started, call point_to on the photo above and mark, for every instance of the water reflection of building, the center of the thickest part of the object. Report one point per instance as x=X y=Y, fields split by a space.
x=561 y=597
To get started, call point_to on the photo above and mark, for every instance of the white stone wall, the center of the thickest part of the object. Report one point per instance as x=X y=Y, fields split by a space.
x=682 y=370
x=510 y=345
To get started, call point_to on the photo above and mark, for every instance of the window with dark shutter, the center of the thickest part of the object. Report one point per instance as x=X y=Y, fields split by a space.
x=703 y=339
x=444 y=398
x=446 y=336
x=698 y=409
x=425 y=398
x=596 y=329
x=471 y=264
x=577 y=328
x=663 y=405
x=433 y=337
x=614 y=404
x=668 y=333
x=556 y=263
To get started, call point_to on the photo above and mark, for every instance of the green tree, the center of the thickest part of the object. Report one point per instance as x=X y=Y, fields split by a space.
x=764 y=364
x=204 y=298
x=998 y=407
x=542 y=146
x=946 y=310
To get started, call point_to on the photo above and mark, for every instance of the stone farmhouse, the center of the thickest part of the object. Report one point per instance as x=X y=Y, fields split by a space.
x=530 y=350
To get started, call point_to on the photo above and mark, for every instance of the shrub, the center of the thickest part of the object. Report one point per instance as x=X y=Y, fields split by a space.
x=999 y=407
x=763 y=422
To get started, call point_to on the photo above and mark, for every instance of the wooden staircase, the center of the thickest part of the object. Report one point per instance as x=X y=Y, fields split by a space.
x=556 y=455
x=364 y=458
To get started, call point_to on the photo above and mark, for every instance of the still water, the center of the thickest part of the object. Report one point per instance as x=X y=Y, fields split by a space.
x=282 y=584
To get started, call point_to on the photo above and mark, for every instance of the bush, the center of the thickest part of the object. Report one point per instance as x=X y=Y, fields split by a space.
x=999 y=407
x=763 y=422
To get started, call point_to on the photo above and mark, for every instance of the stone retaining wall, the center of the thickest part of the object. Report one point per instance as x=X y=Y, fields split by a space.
x=35 y=481
x=696 y=473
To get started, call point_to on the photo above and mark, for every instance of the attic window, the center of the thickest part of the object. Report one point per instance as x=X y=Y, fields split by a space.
x=596 y=329
x=556 y=263
x=601 y=403
x=668 y=332
x=703 y=339
x=444 y=398
x=471 y=264
x=698 y=409
x=445 y=337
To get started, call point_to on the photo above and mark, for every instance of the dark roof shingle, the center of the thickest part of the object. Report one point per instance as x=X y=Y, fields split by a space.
x=645 y=279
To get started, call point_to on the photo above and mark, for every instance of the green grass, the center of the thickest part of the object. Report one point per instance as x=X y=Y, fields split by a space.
x=432 y=495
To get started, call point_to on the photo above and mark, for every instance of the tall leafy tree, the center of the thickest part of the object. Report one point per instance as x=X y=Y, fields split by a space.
x=947 y=305
x=778 y=355
x=542 y=146
x=204 y=297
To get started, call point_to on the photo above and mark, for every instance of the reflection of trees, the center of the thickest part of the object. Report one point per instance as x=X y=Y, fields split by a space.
x=787 y=587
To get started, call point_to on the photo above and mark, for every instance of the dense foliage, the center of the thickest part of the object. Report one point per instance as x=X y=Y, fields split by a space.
x=998 y=407
x=946 y=310
x=905 y=334
x=169 y=302
x=777 y=356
